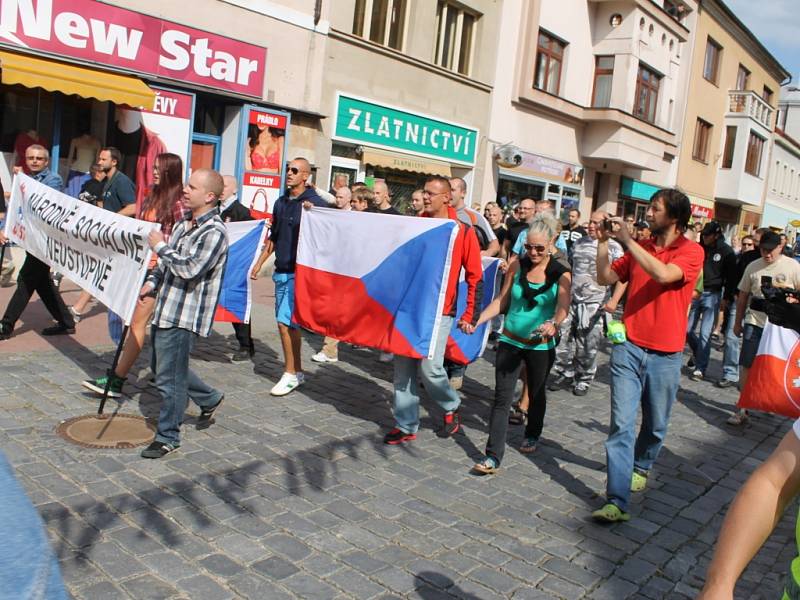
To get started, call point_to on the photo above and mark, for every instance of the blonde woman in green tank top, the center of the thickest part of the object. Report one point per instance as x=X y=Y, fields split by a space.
x=535 y=299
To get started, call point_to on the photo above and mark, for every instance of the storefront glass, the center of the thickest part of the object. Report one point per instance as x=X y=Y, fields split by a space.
x=511 y=191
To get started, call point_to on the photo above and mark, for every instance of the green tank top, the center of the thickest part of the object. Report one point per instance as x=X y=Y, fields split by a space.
x=521 y=320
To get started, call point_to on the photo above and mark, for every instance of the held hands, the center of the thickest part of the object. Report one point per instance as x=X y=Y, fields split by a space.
x=154 y=238
x=467 y=328
x=503 y=266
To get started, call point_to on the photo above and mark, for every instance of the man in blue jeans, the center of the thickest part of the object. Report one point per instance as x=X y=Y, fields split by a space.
x=188 y=279
x=645 y=369
x=719 y=275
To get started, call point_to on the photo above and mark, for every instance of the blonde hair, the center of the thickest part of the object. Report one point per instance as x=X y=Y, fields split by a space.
x=544 y=223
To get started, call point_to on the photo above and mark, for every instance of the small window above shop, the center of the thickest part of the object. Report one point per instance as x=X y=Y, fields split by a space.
x=381 y=21
x=455 y=34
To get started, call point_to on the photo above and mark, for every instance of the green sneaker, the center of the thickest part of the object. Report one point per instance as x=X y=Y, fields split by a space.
x=98 y=385
x=638 y=482
x=610 y=513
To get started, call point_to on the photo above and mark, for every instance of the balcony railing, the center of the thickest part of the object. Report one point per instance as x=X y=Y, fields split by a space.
x=751 y=104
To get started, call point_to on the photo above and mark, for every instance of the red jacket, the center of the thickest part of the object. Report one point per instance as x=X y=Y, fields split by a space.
x=467 y=254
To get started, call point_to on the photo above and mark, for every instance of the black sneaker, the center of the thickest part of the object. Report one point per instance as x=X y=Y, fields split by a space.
x=5 y=331
x=726 y=383
x=452 y=424
x=157 y=450
x=206 y=418
x=690 y=363
x=59 y=329
x=398 y=436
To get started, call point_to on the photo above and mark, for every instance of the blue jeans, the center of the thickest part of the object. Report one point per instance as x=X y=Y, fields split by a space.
x=28 y=567
x=646 y=377
x=704 y=310
x=406 y=392
x=730 y=355
x=176 y=381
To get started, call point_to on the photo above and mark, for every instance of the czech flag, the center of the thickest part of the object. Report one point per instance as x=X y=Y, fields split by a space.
x=773 y=383
x=373 y=280
x=245 y=239
x=461 y=347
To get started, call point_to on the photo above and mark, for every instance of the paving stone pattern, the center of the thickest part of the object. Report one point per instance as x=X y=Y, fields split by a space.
x=296 y=497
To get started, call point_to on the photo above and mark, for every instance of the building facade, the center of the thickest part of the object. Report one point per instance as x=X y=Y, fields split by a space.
x=782 y=205
x=589 y=98
x=730 y=117
x=407 y=87
x=233 y=84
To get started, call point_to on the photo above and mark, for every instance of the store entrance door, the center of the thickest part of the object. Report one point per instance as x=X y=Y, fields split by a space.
x=205 y=151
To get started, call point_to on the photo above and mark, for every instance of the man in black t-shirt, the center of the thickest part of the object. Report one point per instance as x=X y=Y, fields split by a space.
x=527 y=207
x=572 y=231
x=382 y=202
x=119 y=192
x=494 y=215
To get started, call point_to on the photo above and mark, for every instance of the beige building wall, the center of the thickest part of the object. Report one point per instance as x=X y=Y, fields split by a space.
x=710 y=101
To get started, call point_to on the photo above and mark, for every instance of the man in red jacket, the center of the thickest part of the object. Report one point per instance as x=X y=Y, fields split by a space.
x=466 y=254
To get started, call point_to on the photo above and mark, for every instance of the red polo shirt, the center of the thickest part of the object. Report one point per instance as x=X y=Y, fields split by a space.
x=655 y=315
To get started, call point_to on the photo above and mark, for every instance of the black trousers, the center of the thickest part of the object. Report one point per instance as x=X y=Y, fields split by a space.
x=508 y=362
x=34 y=276
x=242 y=331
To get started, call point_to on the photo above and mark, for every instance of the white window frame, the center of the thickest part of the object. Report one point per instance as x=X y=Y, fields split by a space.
x=439 y=56
x=387 y=25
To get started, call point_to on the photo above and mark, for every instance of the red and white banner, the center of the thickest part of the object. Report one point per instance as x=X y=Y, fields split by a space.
x=98 y=33
x=773 y=383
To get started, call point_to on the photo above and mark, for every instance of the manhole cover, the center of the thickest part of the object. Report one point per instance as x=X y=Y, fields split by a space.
x=117 y=431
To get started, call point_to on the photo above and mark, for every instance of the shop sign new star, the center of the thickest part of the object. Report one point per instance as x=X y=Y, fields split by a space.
x=97 y=33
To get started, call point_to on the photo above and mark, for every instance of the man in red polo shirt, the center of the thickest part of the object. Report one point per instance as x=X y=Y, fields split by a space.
x=661 y=273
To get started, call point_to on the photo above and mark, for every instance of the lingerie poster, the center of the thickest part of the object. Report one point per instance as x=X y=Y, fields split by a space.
x=263 y=157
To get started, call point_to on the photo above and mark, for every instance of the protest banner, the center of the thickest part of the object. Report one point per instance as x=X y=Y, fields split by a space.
x=104 y=253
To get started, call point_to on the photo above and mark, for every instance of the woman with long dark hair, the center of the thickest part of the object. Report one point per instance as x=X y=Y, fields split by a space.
x=164 y=204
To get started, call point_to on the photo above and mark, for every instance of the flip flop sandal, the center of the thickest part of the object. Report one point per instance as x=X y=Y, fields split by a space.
x=487 y=466
x=517 y=416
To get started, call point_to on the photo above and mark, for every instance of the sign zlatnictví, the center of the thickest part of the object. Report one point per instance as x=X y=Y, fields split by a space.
x=366 y=122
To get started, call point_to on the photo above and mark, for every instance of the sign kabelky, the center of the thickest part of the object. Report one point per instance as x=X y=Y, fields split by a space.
x=366 y=122
x=97 y=33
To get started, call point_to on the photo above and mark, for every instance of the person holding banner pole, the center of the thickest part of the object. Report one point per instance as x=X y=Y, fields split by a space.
x=164 y=204
x=188 y=280
x=34 y=276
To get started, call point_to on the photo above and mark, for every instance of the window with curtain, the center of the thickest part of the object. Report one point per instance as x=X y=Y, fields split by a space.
x=455 y=32
x=646 y=100
x=730 y=146
x=702 y=139
x=755 y=148
x=742 y=78
x=380 y=21
x=549 y=59
x=603 y=75
x=711 y=64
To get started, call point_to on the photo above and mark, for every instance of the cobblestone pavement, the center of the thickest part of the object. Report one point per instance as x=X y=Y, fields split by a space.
x=297 y=496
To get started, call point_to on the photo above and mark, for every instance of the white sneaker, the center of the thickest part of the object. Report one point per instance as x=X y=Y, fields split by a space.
x=321 y=357
x=386 y=357
x=287 y=383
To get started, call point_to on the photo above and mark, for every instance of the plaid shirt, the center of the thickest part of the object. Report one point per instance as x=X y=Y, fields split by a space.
x=190 y=273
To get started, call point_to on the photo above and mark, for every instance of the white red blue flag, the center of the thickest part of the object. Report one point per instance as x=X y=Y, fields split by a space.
x=773 y=382
x=373 y=280
x=463 y=348
x=245 y=239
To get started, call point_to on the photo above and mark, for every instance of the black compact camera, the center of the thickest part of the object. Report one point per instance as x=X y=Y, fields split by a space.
x=608 y=225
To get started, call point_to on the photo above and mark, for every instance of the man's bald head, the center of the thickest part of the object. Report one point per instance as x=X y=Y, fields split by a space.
x=230 y=186
x=382 y=198
x=212 y=182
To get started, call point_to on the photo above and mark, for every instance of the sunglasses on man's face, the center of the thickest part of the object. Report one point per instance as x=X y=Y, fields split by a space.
x=750 y=244
x=535 y=247
x=292 y=170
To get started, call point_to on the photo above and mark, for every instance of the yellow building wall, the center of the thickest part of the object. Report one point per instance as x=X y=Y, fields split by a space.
x=710 y=103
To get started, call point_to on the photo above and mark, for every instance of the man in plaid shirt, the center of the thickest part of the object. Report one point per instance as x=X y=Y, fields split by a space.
x=188 y=279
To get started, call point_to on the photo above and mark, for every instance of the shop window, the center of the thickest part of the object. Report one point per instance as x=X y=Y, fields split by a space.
x=742 y=78
x=711 y=64
x=380 y=21
x=755 y=148
x=209 y=115
x=455 y=32
x=730 y=146
x=24 y=111
x=549 y=59
x=646 y=100
x=702 y=138
x=603 y=74
x=511 y=191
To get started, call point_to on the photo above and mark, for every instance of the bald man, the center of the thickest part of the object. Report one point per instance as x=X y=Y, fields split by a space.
x=231 y=211
x=187 y=280
x=343 y=197
x=382 y=202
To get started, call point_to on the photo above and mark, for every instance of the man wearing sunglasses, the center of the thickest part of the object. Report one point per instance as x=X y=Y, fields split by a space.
x=283 y=236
